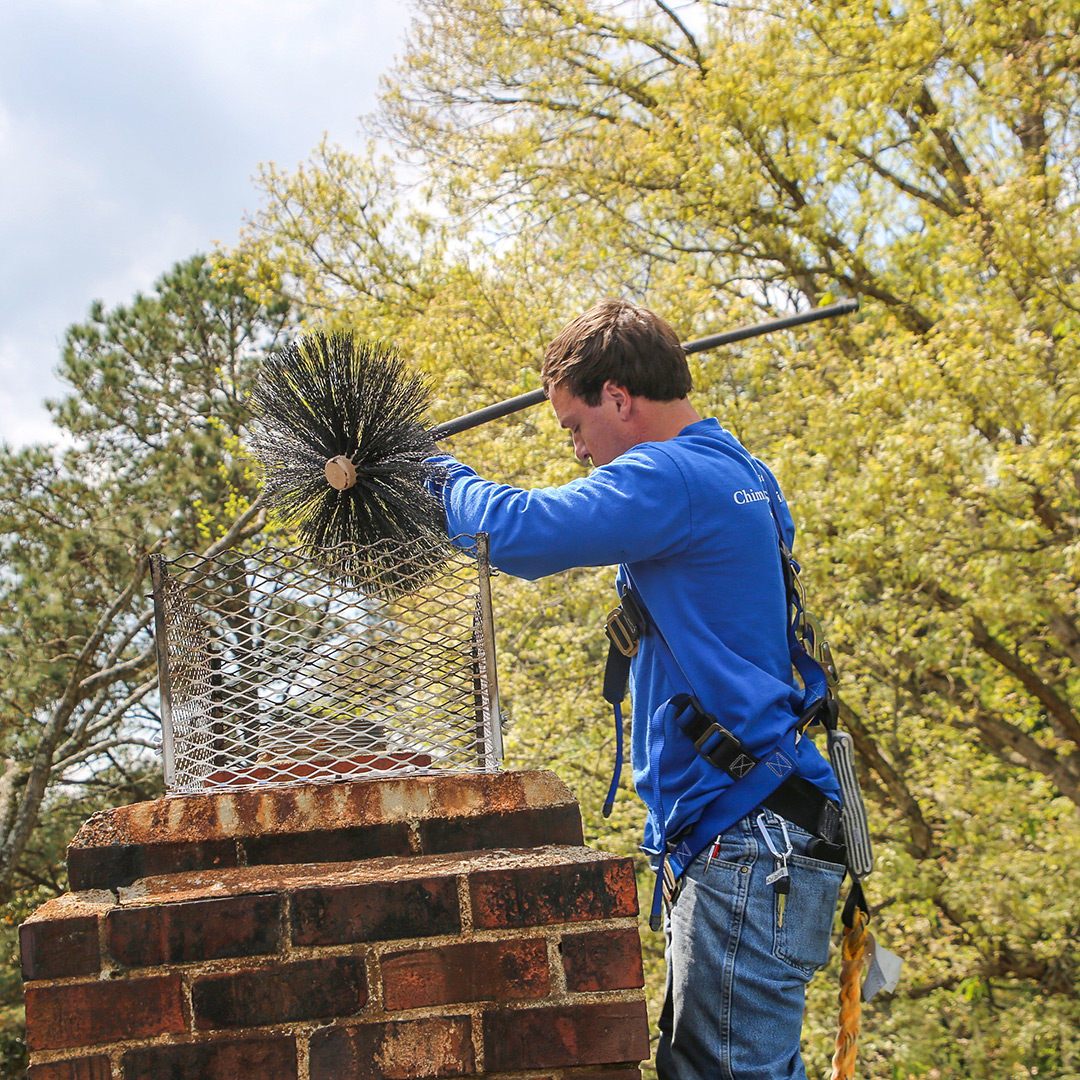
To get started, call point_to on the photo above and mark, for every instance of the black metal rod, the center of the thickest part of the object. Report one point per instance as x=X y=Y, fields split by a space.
x=830 y=311
x=488 y=412
x=534 y=397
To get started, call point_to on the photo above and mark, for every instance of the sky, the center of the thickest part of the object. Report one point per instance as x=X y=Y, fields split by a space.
x=131 y=133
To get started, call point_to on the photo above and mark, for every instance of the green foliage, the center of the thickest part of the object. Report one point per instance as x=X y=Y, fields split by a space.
x=159 y=388
x=719 y=162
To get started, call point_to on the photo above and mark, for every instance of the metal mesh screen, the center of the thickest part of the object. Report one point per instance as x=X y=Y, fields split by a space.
x=279 y=669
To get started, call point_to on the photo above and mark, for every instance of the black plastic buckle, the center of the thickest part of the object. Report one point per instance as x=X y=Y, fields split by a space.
x=824 y=711
x=728 y=754
x=625 y=624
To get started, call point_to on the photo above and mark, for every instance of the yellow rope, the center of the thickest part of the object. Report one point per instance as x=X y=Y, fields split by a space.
x=847 y=1038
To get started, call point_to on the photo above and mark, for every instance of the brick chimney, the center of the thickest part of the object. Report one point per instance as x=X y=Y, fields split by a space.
x=437 y=926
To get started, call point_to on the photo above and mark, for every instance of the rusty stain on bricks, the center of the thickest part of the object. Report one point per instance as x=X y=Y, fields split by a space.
x=237 y=814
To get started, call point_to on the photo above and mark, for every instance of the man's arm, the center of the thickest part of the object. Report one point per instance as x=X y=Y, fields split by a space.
x=637 y=507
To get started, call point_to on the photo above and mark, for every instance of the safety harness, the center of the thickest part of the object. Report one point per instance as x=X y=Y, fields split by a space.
x=768 y=780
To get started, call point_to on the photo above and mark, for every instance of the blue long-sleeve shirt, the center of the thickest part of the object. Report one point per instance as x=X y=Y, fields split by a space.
x=691 y=519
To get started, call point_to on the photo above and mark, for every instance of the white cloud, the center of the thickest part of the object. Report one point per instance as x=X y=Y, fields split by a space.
x=19 y=385
x=129 y=134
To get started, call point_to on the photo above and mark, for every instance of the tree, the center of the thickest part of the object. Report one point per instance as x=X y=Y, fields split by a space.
x=154 y=416
x=717 y=160
x=151 y=462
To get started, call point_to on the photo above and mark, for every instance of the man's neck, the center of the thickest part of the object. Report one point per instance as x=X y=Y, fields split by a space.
x=659 y=421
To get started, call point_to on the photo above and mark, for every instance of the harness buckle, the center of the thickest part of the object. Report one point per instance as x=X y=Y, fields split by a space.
x=622 y=631
x=625 y=624
x=728 y=754
x=809 y=632
x=714 y=728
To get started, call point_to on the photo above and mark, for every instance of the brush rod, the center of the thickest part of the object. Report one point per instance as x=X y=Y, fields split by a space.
x=830 y=311
x=534 y=397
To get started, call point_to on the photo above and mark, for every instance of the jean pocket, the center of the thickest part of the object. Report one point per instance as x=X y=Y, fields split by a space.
x=802 y=937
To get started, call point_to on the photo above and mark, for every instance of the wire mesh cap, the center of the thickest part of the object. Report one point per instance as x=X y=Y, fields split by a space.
x=275 y=672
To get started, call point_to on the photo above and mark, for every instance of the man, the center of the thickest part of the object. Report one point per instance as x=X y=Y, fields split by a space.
x=694 y=523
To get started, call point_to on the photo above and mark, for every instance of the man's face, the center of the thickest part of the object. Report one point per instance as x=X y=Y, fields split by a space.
x=598 y=431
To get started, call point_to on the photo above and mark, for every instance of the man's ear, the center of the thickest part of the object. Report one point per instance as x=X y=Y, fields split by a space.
x=620 y=396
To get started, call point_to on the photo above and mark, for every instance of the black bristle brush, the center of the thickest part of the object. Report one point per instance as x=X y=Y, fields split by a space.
x=341 y=437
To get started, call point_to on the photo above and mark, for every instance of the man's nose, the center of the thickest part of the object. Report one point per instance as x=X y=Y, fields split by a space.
x=581 y=451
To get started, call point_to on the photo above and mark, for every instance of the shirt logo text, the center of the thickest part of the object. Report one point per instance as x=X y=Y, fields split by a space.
x=742 y=497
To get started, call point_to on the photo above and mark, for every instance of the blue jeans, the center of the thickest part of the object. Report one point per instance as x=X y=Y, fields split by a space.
x=736 y=977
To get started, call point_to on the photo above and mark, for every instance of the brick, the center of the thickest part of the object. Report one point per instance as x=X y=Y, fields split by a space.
x=118 y=865
x=376 y=911
x=302 y=808
x=605 y=960
x=84 y=1068
x=309 y=990
x=331 y=845
x=257 y=1059
x=537 y=895
x=619 y=1072
x=477 y=971
x=533 y=827
x=434 y=1046
x=198 y=930
x=616 y=1072
x=58 y=948
x=82 y=1014
x=556 y=1037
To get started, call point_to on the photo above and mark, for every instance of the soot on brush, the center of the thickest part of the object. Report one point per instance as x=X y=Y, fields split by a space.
x=340 y=434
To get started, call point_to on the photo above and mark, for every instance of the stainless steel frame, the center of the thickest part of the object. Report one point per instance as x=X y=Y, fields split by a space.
x=278 y=669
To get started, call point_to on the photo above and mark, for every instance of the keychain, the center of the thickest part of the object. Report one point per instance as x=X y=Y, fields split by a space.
x=780 y=878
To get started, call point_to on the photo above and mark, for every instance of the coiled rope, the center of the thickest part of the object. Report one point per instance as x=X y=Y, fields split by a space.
x=856 y=919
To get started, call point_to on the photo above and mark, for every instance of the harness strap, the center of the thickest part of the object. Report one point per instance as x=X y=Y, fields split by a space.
x=734 y=803
x=616 y=675
x=613 y=788
x=755 y=779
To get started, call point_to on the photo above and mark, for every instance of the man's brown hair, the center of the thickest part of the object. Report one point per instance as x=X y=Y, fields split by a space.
x=620 y=341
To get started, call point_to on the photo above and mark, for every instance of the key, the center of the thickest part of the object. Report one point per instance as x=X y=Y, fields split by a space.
x=781 y=886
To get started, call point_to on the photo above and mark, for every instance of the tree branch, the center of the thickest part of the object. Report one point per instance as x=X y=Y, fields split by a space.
x=1065 y=721
x=922 y=838
x=1065 y=630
